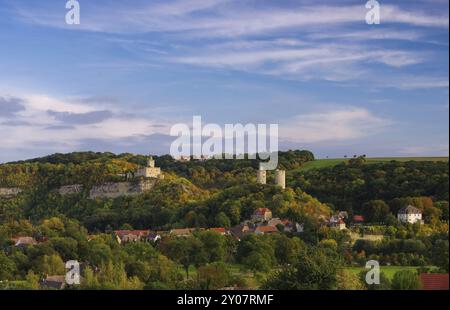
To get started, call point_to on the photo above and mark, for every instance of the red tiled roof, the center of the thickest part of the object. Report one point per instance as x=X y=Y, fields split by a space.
x=358 y=218
x=218 y=229
x=266 y=229
x=24 y=240
x=434 y=281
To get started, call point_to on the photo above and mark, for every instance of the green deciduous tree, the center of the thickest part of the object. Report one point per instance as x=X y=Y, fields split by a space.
x=314 y=269
x=405 y=280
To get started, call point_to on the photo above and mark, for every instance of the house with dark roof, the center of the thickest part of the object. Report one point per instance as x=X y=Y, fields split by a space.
x=152 y=237
x=240 y=231
x=410 y=215
x=54 y=282
x=434 y=281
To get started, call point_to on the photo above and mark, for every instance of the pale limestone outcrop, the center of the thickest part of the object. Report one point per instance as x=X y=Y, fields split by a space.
x=114 y=190
x=9 y=192
x=70 y=189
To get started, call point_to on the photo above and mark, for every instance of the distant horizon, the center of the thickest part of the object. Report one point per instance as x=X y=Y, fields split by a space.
x=159 y=155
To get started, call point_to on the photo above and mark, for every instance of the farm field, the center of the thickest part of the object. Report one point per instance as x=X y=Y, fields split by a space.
x=389 y=271
x=324 y=163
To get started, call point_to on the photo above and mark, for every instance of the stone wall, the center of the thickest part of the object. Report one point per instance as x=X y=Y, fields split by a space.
x=70 y=189
x=117 y=189
x=9 y=192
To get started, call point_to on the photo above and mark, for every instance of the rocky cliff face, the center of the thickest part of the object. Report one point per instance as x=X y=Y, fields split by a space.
x=114 y=190
x=70 y=189
x=9 y=192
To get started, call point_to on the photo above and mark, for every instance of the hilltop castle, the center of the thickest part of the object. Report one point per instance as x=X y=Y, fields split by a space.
x=280 y=177
x=149 y=171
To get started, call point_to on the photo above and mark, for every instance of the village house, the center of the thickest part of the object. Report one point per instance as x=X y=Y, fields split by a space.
x=54 y=282
x=339 y=224
x=123 y=236
x=22 y=242
x=262 y=214
x=335 y=219
x=274 y=222
x=410 y=215
x=299 y=227
x=153 y=237
x=338 y=220
x=287 y=225
x=262 y=230
x=220 y=230
x=240 y=231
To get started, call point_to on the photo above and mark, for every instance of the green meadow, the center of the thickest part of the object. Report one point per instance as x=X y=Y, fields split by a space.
x=389 y=271
x=324 y=163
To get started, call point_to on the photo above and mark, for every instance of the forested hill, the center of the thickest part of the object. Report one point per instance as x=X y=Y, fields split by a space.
x=220 y=192
x=360 y=187
x=217 y=194
x=195 y=193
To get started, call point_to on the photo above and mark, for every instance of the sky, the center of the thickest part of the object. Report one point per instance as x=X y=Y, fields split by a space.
x=131 y=69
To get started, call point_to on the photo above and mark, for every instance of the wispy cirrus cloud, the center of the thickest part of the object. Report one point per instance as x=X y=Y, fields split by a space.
x=325 y=42
x=301 y=60
x=222 y=18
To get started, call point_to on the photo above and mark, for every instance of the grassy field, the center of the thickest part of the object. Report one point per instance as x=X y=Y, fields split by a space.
x=389 y=271
x=252 y=280
x=323 y=163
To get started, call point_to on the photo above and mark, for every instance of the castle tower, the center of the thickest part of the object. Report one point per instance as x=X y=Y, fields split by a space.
x=151 y=162
x=149 y=171
x=261 y=176
x=280 y=178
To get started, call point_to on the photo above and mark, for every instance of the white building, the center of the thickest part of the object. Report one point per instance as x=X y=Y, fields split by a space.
x=410 y=215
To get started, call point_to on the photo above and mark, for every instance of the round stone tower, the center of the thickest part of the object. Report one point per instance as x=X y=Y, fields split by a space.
x=261 y=176
x=280 y=178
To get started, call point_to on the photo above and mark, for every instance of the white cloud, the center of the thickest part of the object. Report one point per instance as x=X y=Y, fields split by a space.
x=38 y=124
x=333 y=125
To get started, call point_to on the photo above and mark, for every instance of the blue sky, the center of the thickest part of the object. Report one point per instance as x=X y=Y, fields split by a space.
x=130 y=70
